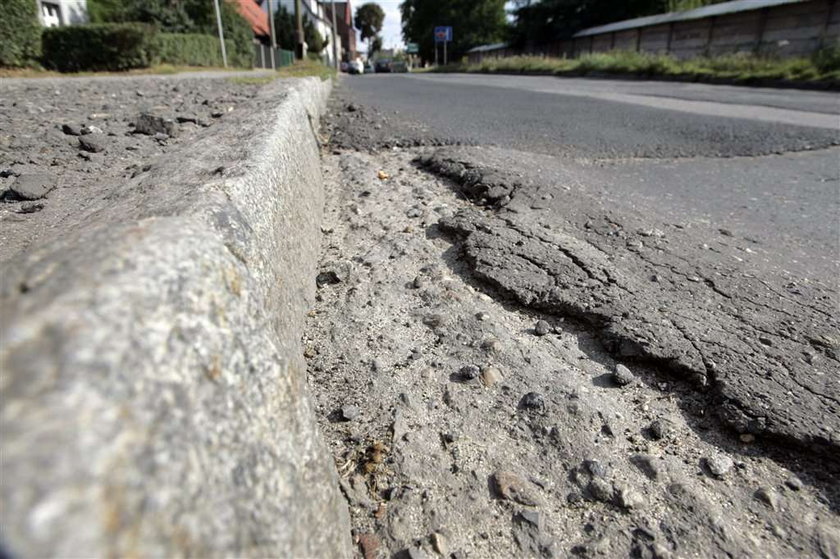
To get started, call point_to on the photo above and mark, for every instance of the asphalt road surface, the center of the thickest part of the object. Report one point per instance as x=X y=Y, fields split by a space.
x=725 y=155
x=655 y=189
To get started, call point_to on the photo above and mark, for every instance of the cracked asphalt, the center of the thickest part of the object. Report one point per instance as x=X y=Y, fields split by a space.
x=524 y=271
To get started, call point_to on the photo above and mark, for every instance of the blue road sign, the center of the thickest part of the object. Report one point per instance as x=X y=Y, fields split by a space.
x=443 y=34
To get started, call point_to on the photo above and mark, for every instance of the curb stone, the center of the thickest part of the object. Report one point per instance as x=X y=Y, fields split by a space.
x=153 y=394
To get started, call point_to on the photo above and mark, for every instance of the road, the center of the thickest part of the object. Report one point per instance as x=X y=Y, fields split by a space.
x=652 y=142
x=686 y=232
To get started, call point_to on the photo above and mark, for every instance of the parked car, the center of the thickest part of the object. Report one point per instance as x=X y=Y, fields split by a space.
x=369 y=69
x=344 y=67
x=399 y=66
x=383 y=65
x=356 y=67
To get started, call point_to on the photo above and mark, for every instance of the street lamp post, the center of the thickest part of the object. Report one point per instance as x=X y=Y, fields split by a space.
x=335 y=36
x=221 y=33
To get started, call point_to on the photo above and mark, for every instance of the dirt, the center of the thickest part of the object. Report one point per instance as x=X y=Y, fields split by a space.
x=466 y=422
x=80 y=137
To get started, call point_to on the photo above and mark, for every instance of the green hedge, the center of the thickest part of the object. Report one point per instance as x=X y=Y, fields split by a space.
x=100 y=46
x=190 y=49
x=20 y=32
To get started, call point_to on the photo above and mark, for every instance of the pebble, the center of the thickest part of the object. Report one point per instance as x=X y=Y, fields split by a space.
x=719 y=465
x=482 y=316
x=532 y=401
x=600 y=490
x=469 y=372
x=91 y=143
x=150 y=125
x=439 y=543
x=542 y=328
x=595 y=468
x=511 y=487
x=32 y=186
x=90 y=129
x=794 y=483
x=768 y=496
x=414 y=212
x=660 y=429
x=622 y=375
x=71 y=129
x=350 y=412
x=30 y=207
x=629 y=498
x=370 y=545
x=747 y=438
x=491 y=376
x=433 y=320
x=418 y=283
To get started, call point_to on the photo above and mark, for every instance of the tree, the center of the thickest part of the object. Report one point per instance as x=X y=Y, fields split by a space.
x=474 y=22
x=315 y=42
x=375 y=46
x=553 y=20
x=284 y=28
x=369 y=20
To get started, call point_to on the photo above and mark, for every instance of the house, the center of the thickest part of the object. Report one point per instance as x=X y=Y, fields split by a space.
x=55 y=13
x=345 y=29
x=314 y=11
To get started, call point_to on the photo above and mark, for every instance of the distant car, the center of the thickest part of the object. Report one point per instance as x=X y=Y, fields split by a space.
x=369 y=69
x=356 y=67
x=383 y=65
x=344 y=67
x=399 y=66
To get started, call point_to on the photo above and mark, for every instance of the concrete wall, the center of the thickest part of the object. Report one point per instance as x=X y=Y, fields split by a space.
x=788 y=30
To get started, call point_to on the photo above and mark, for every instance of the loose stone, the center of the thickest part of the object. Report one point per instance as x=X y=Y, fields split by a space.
x=532 y=401
x=511 y=487
x=622 y=375
x=719 y=465
x=542 y=328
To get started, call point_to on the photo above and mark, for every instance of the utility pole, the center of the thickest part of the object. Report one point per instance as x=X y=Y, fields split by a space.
x=299 y=31
x=273 y=39
x=335 y=36
x=221 y=32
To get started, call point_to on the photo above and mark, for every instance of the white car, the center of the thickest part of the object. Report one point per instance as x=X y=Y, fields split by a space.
x=356 y=67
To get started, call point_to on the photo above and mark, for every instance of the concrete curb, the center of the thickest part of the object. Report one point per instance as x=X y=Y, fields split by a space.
x=152 y=389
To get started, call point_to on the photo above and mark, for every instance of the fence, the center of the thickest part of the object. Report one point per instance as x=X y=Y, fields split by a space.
x=792 y=29
x=262 y=57
x=796 y=29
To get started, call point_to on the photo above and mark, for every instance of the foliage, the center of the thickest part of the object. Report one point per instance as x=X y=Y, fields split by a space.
x=827 y=59
x=683 y=5
x=194 y=49
x=375 y=46
x=284 y=28
x=100 y=46
x=736 y=67
x=20 y=32
x=474 y=22
x=552 y=20
x=369 y=20
x=307 y=68
x=315 y=42
x=182 y=16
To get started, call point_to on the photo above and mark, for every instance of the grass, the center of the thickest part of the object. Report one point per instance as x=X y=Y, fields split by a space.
x=164 y=69
x=823 y=66
x=305 y=69
x=300 y=69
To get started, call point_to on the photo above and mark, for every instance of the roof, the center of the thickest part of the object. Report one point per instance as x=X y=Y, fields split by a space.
x=700 y=13
x=485 y=48
x=254 y=15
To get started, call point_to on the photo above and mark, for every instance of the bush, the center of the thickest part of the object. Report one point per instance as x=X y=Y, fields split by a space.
x=20 y=32
x=194 y=49
x=101 y=46
x=827 y=59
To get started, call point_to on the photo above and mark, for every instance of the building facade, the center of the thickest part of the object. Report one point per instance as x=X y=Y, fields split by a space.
x=56 y=13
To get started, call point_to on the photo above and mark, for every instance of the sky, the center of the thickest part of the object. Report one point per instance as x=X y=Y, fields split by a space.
x=391 y=29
